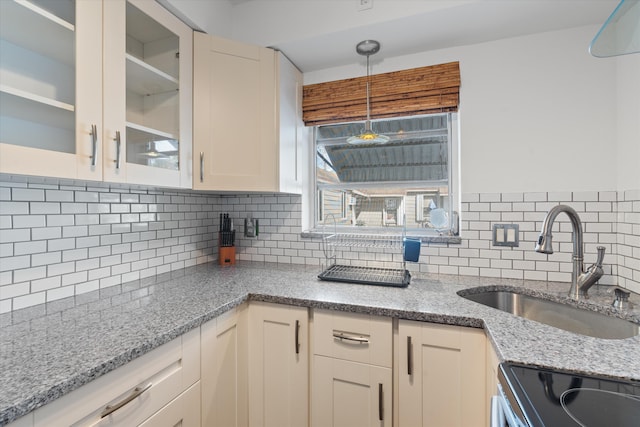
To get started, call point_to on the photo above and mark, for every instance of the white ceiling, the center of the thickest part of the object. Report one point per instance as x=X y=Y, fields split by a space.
x=322 y=34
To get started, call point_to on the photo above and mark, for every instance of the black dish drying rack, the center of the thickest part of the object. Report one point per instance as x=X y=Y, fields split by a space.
x=337 y=272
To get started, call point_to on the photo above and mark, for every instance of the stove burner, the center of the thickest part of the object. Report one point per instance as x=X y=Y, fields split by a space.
x=613 y=408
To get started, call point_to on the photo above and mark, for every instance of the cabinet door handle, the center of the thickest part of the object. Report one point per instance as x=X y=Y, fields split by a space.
x=109 y=409
x=409 y=356
x=297 y=338
x=201 y=166
x=117 y=140
x=380 y=403
x=94 y=145
x=350 y=338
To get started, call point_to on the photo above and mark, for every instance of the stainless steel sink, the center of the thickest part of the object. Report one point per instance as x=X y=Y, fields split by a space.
x=555 y=314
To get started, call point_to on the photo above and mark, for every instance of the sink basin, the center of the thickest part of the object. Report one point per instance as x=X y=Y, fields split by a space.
x=555 y=314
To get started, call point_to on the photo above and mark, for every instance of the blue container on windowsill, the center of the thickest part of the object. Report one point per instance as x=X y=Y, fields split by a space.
x=411 y=249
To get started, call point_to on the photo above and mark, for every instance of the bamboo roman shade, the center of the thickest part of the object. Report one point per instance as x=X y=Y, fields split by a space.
x=400 y=93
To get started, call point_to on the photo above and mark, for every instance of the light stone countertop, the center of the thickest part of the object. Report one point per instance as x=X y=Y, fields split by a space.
x=49 y=350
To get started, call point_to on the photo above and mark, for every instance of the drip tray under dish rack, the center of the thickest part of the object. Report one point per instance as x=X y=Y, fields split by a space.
x=366 y=275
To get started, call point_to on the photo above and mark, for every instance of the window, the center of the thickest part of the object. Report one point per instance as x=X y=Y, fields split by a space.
x=407 y=183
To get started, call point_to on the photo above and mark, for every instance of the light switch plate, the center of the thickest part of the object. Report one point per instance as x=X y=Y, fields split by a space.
x=364 y=4
x=506 y=235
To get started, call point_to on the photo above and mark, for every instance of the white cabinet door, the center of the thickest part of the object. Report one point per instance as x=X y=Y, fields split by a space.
x=492 y=377
x=278 y=365
x=347 y=394
x=96 y=90
x=147 y=95
x=224 y=370
x=51 y=88
x=234 y=115
x=291 y=130
x=441 y=375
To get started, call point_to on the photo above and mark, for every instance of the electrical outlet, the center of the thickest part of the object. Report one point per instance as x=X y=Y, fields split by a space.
x=506 y=235
x=364 y=4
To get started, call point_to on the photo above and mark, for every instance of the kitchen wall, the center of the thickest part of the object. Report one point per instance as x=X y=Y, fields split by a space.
x=609 y=218
x=59 y=239
x=542 y=123
x=63 y=239
x=538 y=110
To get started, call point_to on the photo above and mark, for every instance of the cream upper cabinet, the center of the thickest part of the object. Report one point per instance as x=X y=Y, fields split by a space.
x=441 y=374
x=95 y=90
x=51 y=88
x=247 y=118
x=291 y=132
x=278 y=365
x=147 y=128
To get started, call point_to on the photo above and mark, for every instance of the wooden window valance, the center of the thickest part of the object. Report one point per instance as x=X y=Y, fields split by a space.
x=421 y=90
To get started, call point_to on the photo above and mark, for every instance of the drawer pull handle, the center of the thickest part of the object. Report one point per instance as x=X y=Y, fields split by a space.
x=201 y=166
x=380 y=403
x=109 y=409
x=409 y=356
x=350 y=338
x=94 y=144
x=297 y=337
x=118 y=144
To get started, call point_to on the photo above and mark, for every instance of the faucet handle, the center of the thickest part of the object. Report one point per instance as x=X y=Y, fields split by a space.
x=601 y=250
x=621 y=294
x=622 y=299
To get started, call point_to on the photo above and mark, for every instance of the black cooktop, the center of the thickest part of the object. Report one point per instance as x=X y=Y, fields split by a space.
x=550 y=398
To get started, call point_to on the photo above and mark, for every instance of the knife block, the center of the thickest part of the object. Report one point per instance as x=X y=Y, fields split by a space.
x=227 y=255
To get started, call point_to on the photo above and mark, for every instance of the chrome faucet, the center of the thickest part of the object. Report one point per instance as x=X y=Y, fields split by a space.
x=581 y=280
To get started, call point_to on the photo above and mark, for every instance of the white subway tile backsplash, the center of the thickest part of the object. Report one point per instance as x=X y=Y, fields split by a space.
x=59 y=196
x=45 y=284
x=46 y=258
x=28 y=221
x=23 y=248
x=14 y=208
x=98 y=237
x=28 y=300
x=60 y=220
x=27 y=194
x=28 y=274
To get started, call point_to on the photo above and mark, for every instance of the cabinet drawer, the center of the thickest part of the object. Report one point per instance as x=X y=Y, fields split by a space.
x=183 y=411
x=360 y=338
x=147 y=384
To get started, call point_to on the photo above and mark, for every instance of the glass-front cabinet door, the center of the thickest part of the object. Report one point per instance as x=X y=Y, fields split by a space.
x=96 y=90
x=148 y=106
x=51 y=88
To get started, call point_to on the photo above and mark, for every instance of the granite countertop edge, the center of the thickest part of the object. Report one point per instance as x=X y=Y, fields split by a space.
x=229 y=288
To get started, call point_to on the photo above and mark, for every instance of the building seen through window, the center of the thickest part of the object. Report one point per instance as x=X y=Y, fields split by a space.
x=405 y=183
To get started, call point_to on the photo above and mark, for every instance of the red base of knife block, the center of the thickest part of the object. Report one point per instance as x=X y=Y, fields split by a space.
x=227 y=255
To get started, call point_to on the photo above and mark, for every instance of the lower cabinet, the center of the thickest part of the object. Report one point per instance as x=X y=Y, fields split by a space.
x=278 y=365
x=350 y=394
x=163 y=381
x=183 y=411
x=224 y=384
x=492 y=378
x=351 y=372
x=441 y=375
x=263 y=364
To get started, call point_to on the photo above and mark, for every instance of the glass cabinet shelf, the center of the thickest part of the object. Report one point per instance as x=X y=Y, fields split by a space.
x=46 y=33
x=144 y=79
x=26 y=118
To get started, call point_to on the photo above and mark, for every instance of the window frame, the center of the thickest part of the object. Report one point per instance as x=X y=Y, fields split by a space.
x=453 y=146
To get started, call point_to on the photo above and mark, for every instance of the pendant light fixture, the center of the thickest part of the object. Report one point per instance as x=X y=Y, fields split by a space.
x=368 y=48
